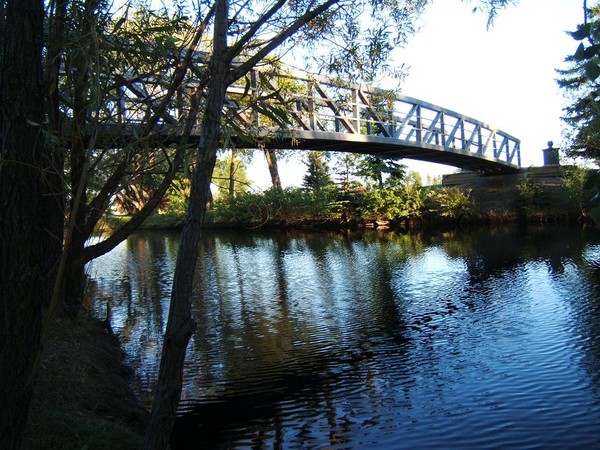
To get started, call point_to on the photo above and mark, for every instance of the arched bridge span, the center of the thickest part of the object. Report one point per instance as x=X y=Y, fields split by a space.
x=330 y=115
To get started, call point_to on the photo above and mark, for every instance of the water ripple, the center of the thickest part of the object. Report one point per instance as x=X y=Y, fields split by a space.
x=477 y=340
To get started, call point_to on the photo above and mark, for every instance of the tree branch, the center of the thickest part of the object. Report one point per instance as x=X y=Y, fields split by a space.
x=251 y=62
x=237 y=48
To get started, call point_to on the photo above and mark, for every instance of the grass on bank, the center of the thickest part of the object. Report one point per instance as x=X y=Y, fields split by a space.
x=48 y=429
x=82 y=396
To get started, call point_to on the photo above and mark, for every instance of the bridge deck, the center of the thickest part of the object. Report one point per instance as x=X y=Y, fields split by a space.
x=376 y=145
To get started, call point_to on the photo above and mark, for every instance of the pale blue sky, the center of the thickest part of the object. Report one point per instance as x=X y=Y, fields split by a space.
x=504 y=76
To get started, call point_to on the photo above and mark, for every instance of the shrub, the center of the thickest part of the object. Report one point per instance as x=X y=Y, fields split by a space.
x=397 y=203
x=452 y=203
x=279 y=205
x=531 y=195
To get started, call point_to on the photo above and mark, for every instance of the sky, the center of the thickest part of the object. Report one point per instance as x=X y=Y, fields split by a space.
x=504 y=75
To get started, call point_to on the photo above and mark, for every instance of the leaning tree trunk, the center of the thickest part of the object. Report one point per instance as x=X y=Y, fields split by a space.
x=232 y=167
x=26 y=245
x=180 y=325
x=271 y=158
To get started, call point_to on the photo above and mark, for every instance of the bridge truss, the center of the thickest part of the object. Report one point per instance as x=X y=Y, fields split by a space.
x=326 y=114
x=303 y=111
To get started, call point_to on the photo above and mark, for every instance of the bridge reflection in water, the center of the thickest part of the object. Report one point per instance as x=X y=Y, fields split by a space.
x=326 y=114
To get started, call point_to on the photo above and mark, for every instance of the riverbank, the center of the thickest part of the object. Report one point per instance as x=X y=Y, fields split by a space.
x=82 y=396
x=539 y=195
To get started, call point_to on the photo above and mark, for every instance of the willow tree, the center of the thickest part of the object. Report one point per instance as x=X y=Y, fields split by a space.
x=60 y=74
x=352 y=38
x=114 y=82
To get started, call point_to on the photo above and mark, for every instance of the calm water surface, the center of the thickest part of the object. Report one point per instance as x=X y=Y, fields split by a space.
x=471 y=339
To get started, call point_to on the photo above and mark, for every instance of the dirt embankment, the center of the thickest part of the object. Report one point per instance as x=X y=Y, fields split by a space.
x=82 y=396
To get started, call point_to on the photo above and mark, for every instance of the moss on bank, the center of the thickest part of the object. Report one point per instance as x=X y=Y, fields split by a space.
x=82 y=396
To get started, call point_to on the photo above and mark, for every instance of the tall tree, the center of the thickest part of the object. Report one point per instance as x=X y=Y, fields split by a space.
x=317 y=175
x=255 y=31
x=27 y=247
x=230 y=175
x=273 y=165
x=581 y=81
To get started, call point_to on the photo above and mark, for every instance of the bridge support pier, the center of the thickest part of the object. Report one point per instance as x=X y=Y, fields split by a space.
x=472 y=178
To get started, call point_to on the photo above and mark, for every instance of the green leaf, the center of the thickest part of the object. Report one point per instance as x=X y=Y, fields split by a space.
x=277 y=116
x=592 y=70
x=161 y=29
x=583 y=32
x=119 y=24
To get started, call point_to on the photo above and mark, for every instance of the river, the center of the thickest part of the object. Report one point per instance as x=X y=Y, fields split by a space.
x=485 y=338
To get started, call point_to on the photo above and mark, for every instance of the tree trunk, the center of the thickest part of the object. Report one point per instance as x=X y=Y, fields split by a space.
x=54 y=203
x=180 y=325
x=232 y=164
x=271 y=158
x=26 y=244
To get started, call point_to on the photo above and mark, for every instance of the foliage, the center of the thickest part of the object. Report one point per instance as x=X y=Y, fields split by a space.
x=344 y=170
x=176 y=198
x=453 y=203
x=290 y=205
x=374 y=167
x=580 y=82
x=592 y=183
x=230 y=176
x=574 y=178
x=403 y=201
x=317 y=176
x=531 y=195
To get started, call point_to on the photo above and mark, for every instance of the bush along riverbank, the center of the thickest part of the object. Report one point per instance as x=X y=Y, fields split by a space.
x=537 y=196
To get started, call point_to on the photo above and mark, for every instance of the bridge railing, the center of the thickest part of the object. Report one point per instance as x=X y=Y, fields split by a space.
x=322 y=105
x=326 y=105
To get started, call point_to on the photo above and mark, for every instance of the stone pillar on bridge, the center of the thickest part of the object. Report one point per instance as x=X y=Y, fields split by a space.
x=551 y=155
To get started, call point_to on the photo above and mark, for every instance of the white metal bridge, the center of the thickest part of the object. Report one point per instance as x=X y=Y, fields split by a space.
x=330 y=115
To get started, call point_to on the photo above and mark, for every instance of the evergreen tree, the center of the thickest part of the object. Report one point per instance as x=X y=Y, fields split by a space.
x=317 y=177
x=374 y=167
x=581 y=82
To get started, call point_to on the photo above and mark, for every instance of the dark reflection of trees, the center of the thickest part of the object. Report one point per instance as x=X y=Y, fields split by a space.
x=258 y=349
x=490 y=253
x=309 y=373
x=140 y=284
x=585 y=300
x=290 y=370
